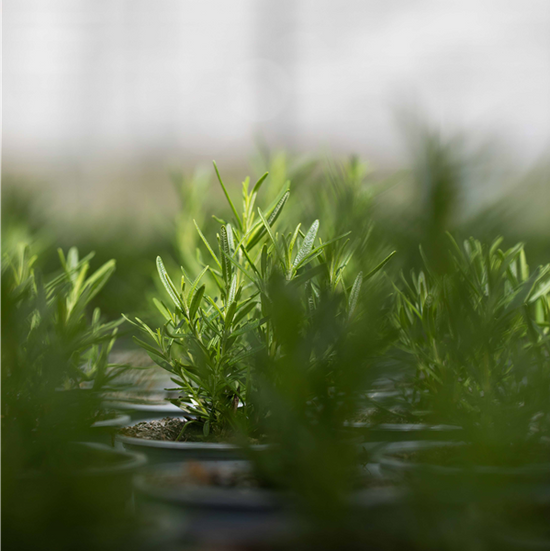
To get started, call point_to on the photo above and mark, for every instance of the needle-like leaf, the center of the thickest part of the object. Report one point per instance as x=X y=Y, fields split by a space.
x=307 y=244
x=168 y=285
x=354 y=294
x=195 y=303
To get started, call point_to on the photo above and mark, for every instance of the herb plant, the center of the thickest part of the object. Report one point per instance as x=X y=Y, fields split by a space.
x=56 y=318
x=50 y=348
x=477 y=338
x=208 y=340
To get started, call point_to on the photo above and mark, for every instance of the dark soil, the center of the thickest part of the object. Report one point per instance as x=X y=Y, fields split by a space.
x=375 y=416
x=167 y=429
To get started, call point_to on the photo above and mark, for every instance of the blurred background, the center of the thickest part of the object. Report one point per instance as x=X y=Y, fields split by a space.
x=103 y=97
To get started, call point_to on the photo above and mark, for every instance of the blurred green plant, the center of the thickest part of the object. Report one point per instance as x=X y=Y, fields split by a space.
x=51 y=350
x=55 y=367
x=305 y=394
x=477 y=338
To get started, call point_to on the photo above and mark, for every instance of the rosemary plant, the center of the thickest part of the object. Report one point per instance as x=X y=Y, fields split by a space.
x=55 y=318
x=208 y=340
x=477 y=337
x=50 y=347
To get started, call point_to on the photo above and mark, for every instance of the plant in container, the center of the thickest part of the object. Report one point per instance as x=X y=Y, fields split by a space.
x=308 y=481
x=478 y=338
x=53 y=329
x=63 y=488
x=91 y=369
x=209 y=338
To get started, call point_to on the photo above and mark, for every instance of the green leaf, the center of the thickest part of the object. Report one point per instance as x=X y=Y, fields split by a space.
x=230 y=313
x=98 y=279
x=62 y=277
x=271 y=236
x=186 y=425
x=91 y=288
x=244 y=311
x=206 y=428
x=230 y=240
x=278 y=208
x=522 y=293
x=237 y=265
x=62 y=258
x=354 y=294
x=293 y=241
x=307 y=244
x=495 y=246
x=72 y=259
x=160 y=362
x=272 y=218
x=149 y=348
x=168 y=285
x=247 y=328
x=375 y=270
x=207 y=245
x=239 y=222
x=161 y=307
x=319 y=250
x=214 y=305
x=225 y=256
x=307 y=275
x=232 y=289
x=341 y=269
x=250 y=262
x=263 y=264
x=246 y=183
x=216 y=277
x=257 y=185
x=195 y=303
x=284 y=190
x=195 y=283
x=126 y=318
x=524 y=268
x=544 y=289
x=146 y=328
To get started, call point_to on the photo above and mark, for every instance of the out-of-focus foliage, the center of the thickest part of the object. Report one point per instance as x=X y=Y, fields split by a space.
x=477 y=338
x=326 y=363
x=55 y=367
x=50 y=347
x=23 y=222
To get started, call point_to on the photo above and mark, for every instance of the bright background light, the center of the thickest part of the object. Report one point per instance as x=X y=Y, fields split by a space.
x=108 y=92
